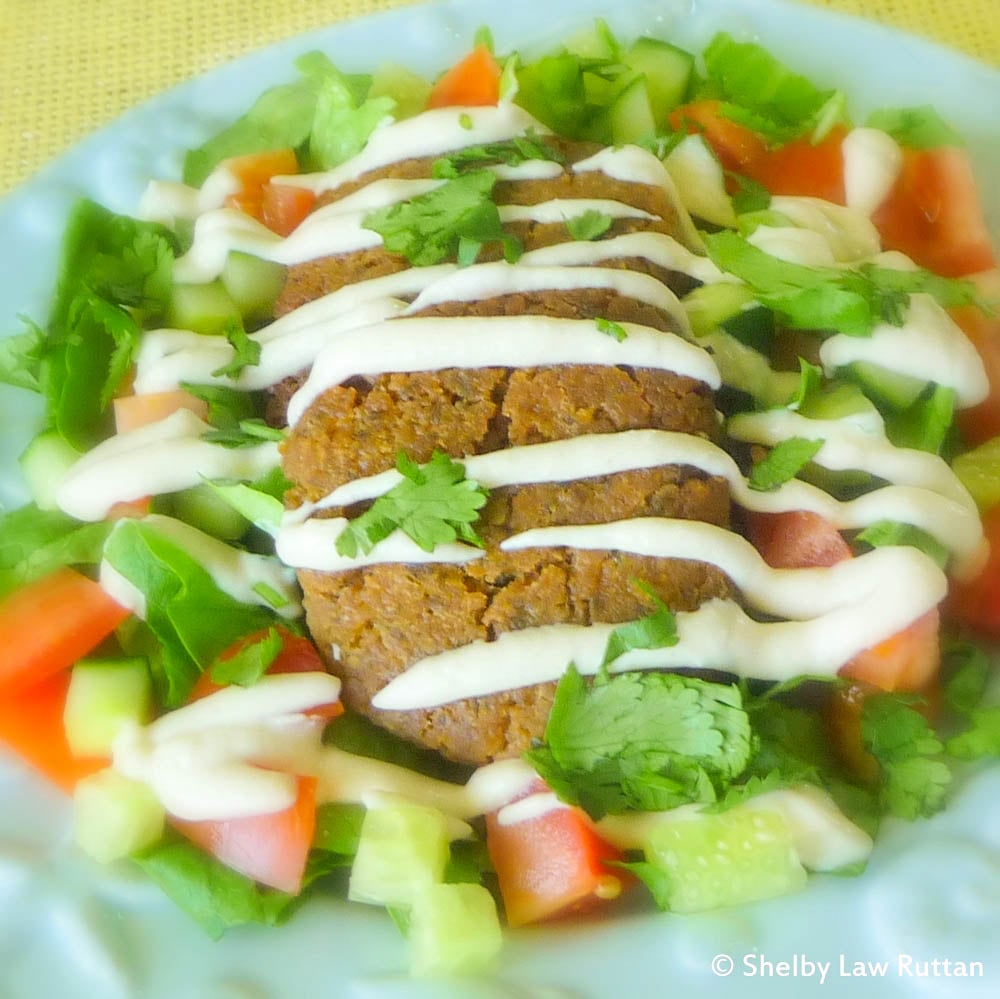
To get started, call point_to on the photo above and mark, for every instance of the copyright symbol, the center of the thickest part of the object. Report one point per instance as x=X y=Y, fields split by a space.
x=722 y=965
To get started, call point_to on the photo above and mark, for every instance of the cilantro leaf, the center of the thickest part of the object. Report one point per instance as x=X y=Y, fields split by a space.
x=227 y=406
x=247 y=433
x=646 y=741
x=432 y=227
x=783 y=462
x=21 y=358
x=250 y=663
x=981 y=738
x=591 y=225
x=510 y=152
x=657 y=630
x=246 y=352
x=894 y=532
x=966 y=668
x=612 y=329
x=434 y=504
x=750 y=195
x=917 y=127
x=915 y=778
x=851 y=302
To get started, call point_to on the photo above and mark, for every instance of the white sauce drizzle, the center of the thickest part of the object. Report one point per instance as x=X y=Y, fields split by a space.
x=428 y=344
x=872 y=161
x=718 y=635
x=929 y=345
x=158 y=458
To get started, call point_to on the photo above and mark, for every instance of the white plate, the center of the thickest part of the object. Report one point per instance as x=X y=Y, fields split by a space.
x=69 y=929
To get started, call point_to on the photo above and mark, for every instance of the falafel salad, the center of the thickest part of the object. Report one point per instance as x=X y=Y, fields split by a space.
x=569 y=480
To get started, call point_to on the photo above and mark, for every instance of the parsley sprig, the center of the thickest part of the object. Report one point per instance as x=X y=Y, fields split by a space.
x=454 y=220
x=510 y=152
x=434 y=504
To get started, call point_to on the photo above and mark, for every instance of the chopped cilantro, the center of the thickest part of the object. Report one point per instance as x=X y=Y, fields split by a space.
x=246 y=352
x=917 y=128
x=590 y=225
x=247 y=433
x=893 y=532
x=455 y=219
x=21 y=358
x=851 y=302
x=250 y=663
x=646 y=741
x=784 y=461
x=915 y=777
x=750 y=195
x=657 y=630
x=612 y=329
x=434 y=504
x=510 y=152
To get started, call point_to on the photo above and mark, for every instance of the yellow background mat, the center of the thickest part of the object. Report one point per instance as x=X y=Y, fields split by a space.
x=69 y=66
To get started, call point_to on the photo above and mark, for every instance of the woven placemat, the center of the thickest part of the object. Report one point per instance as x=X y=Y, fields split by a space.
x=69 y=66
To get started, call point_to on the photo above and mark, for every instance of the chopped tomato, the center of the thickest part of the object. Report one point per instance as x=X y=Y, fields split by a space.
x=297 y=655
x=31 y=724
x=551 y=865
x=982 y=422
x=796 y=539
x=125 y=509
x=933 y=214
x=976 y=602
x=472 y=82
x=737 y=147
x=270 y=849
x=253 y=174
x=284 y=206
x=908 y=660
x=49 y=624
x=803 y=168
x=134 y=411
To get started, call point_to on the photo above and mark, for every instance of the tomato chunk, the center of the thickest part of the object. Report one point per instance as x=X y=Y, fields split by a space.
x=933 y=214
x=982 y=422
x=551 y=865
x=804 y=168
x=472 y=82
x=796 y=539
x=50 y=623
x=253 y=174
x=270 y=849
x=283 y=206
x=737 y=147
x=31 y=724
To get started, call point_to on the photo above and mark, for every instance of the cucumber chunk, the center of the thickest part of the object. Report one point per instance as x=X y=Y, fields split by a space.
x=889 y=387
x=454 y=930
x=201 y=308
x=253 y=285
x=597 y=42
x=202 y=507
x=408 y=89
x=710 y=305
x=114 y=816
x=730 y=858
x=979 y=471
x=837 y=402
x=668 y=71
x=44 y=464
x=403 y=848
x=103 y=696
x=631 y=116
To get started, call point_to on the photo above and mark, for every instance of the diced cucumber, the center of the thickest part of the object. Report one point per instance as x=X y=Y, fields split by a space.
x=700 y=182
x=729 y=858
x=408 y=89
x=597 y=42
x=201 y=308
x=103 y=696
x=44 y=464
x=253 y=284
x=202 y=507
x=979 y=471
x=114 y=816
x=631 y=116
x=837 y=402
x=454 y=930
x=403 y=848
x=668 y=72
x=710 y=305
x=895 y=390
